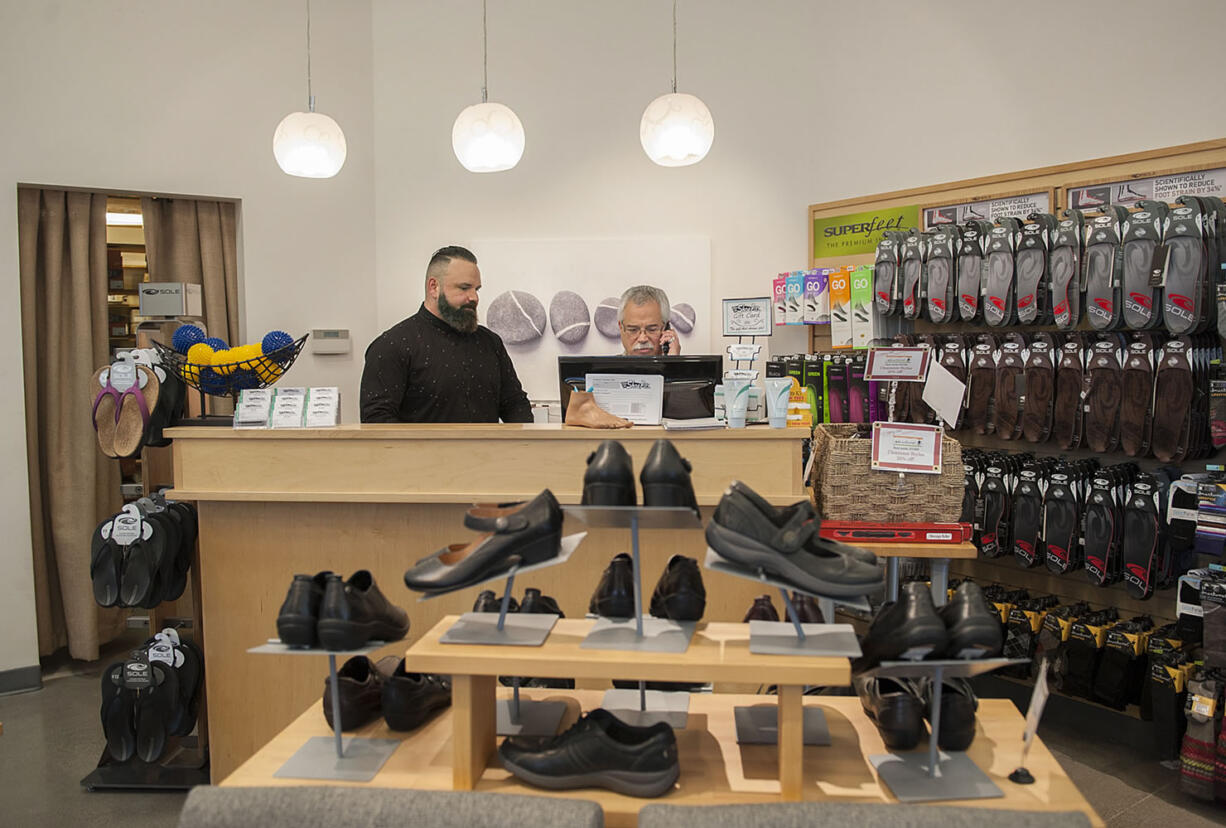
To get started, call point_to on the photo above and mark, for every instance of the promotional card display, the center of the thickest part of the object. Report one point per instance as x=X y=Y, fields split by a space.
x=288 y=408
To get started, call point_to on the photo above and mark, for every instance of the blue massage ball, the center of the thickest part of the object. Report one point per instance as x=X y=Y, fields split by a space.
x=212 y=382
x=185 y=337
x=274 y=341
x=244 y=378
x=216 y=343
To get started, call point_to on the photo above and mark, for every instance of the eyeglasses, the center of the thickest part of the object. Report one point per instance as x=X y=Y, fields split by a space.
x=651 y=330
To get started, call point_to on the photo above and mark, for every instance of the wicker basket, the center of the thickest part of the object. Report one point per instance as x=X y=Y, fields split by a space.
x=846 y=488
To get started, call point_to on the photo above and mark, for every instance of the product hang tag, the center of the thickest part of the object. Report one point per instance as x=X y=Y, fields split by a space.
x=1157 y=266
x=127 y=527
x=136 y=674
x=1202 y=705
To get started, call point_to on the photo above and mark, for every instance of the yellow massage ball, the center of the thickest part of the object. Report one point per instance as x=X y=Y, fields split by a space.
x=199 y=356
x=223 y=361
x=267 y=370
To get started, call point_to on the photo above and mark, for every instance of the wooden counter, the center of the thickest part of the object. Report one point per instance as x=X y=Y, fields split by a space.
x=715 y=770
x=379 y=497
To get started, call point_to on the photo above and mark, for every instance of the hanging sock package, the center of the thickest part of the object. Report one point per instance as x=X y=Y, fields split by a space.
x=1142 y=236
x=1104 y=269
x=1064 y=264
x=999 y=306
x=972 y=259
x=1033 y=251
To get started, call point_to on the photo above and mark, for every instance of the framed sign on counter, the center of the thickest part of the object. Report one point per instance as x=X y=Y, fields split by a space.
x=747 y=317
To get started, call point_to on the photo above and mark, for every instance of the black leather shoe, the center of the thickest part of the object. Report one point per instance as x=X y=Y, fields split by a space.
x=609 y=479
x=782 y=514
x=410 y=699
x=355 y=611
x=679 y=594
x=974 y=629
x=788 y=547
x=361 y=690
x=598 y=751
x=299 y=614
x=895 y=706
x=908 y=629
x=538 y=604
x=666 y=478
x=487 y=601
x=762 y=610
x=958 y=706
x=614 y=595
x=529 y=533
x=807 y=609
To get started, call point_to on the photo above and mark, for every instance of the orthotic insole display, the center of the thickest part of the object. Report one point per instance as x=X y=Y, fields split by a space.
x=1103 y=399
x=1142 y=303
x=998 y=305
x=1027 y=505
x=995 y=540
x=982 y=390
x=1067 y=412
x=1060 y=528
x=1040 y=393
x=1185 y=274
x=1101 y=305
x=1031 y=267
x=1008 y=403
x=1140 y=544
x=1173 y=393
x=940 y=289
x=970 y=269
x=1136 y=398
x=912 y=271
x=1066 y=293
x=1102 y=534
x=885 y=274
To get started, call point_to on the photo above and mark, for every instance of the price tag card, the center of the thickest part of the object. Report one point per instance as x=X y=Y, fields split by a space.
x=254 y=408
x=638 y=398
x=907 y=447
x=740 y=353
x=1202 y=705
x=898 y=364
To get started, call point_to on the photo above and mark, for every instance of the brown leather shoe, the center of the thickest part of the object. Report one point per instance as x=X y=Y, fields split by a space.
x=582 y=410
x=361 y=687
x=762 y=610
x=806 y=609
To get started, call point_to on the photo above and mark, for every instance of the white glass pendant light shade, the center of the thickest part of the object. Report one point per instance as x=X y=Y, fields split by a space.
x=677 y=130
x=309 y=145
x=488 y=137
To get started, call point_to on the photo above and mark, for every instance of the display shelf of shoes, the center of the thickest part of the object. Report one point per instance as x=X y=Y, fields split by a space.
x=715 y=770
x=718 y=652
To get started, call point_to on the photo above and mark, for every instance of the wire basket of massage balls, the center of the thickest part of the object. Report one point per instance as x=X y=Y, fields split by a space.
x=210 y=366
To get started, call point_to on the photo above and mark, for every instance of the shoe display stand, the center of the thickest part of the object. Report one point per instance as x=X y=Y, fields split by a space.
x=938 y=556
x=515 y=716
x=321 y=757
x=916 y=776
x=644 y=634
x=755 y=725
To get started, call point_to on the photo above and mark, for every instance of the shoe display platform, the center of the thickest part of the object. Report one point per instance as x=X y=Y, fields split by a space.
x=938 y=556
x=714 y=768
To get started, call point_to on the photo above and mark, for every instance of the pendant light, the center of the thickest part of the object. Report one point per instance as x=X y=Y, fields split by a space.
x=677 y=129
x=487 y=137
x=309 y=144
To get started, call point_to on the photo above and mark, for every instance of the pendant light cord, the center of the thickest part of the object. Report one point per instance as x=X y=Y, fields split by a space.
x=310 y=94
x=674 y=46
x=485 y=60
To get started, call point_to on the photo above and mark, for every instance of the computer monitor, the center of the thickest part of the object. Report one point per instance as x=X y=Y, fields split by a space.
x=689 y=381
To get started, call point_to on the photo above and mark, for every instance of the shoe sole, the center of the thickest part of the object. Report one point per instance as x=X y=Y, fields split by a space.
x=755 y=555
x=630 y=783
x=336 y=634
x=297 y=630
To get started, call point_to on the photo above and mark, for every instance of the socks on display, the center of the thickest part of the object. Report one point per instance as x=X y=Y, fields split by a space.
x=1084 y=647
x=1121 y=669
x=1197 y=757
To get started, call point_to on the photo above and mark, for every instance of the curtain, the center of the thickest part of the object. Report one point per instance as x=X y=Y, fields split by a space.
x=73 y=486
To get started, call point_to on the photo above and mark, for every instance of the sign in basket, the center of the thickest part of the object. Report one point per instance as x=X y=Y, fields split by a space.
x=907 y=447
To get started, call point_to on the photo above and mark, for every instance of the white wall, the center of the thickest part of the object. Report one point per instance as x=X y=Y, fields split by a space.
x=177 y=96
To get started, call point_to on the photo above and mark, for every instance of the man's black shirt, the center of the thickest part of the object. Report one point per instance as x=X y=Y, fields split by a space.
x=425 y=371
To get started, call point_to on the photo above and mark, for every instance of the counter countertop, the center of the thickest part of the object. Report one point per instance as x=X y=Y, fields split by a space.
x=481 y=431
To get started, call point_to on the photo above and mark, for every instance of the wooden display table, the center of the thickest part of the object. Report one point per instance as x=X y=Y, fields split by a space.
x=715 y=770
x=718 y=652
x=379 y=497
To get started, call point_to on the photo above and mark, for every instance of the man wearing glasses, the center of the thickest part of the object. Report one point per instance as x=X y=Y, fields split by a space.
x=643 y=321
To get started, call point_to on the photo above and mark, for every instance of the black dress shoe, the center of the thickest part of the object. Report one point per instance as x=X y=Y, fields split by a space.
x=609 y=479
x=538 y=604
x=895 y=706
x=527 y=534
x=614 y=595
x=908 y=629
x=299 y=614
x=354 y=612
x=783 y=514
x=958 y=706
x=788 y=547
x=807 y=609
x=974 y=629
x=666 y=478
x=361 y=691
x=679 y=594
x=762 y=610
x=598 y=751
x=410 y=699
x=487 y=601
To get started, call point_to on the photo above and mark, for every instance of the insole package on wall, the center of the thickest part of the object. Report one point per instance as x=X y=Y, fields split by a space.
x=863 y=317
x=814 y=377
x=817 y=296
x=840 y=308
x=780 y=305
x=795 y=295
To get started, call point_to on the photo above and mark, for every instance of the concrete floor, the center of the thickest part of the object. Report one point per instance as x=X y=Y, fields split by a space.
x=52 y=739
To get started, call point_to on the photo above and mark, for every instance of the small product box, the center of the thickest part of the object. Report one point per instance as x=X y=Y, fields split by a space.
x=289 y=408
x=254 y=409
x=795 y=295
x=862 y=316
x=781 y=301
x=170 y=299
x=817 y=296
x=840 y=308
x=323 y=408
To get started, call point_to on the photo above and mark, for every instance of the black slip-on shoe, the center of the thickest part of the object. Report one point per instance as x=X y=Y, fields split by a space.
x=354 y=612
x=525 y=535
x=105 y=567
x=614 y=595
x=118 y=714
x=679 y=594
x=412 y=699
x=299 y=614
x=666 y=478
x=908 y=629
x=537 y=604
x=360 y=682
x=762 y=610
x=155 y=711
x=958 y=706
x=487 y=601
x=609 y=479
x=780 y=515
x=598 y=751
x=790 y=551
x=974 y=629
x=895 y=707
